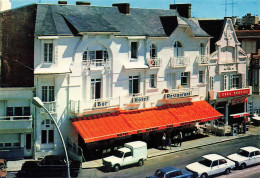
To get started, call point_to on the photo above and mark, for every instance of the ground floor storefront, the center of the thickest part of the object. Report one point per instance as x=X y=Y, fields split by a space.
x=103 y=133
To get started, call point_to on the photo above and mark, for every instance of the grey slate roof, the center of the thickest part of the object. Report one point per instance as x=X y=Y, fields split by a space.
x=73 y=19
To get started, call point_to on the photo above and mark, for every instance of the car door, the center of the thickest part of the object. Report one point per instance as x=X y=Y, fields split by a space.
x=128 y=159
x=214 y=168
x=222 y=165
x=257 y=155
x=251 y=158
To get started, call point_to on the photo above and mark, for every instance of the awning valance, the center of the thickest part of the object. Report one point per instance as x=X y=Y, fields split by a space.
x=122 y=123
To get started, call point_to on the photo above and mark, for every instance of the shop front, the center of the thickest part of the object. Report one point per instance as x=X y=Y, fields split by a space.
x=110 y=130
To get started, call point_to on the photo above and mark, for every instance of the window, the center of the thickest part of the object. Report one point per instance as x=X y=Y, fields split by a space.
x=48 y=52
x=222 y=161
x=257 y=153
x=215 y=163
x=133 y=84
x=152 y=81
x=153 y=52
x=211 y=83
x=225 y=82
x=47 y=132
x=18 y=111
x=134 y=50
x=185 y=79
x=234 y=81
x=178 y=50
x=252 y=154
x=48 y=93
x=202 y=49
x=201 y=76
x=95 y=88
x=85 y=56
x=128 y=154
x=97 y=58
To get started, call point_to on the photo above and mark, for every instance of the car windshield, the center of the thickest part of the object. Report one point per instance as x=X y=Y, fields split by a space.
x=119 y=154
x=205 y=162
x=159 y=174
x=243 y=153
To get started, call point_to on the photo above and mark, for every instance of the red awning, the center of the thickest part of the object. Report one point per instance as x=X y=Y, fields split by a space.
x=122 y=123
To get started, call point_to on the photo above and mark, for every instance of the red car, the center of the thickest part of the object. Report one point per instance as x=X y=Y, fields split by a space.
x=3 y=166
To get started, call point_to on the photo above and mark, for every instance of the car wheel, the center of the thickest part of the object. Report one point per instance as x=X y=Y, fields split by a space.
x=204 y=175
x=243 y=166
x=140 y=162
x=116 y=168
x=227 y=170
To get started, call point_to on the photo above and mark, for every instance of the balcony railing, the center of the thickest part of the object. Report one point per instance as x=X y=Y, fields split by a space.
x=97 y=64
x=50 y=106
x=15 y=122
x=180 y=61
x=132 y=100
x=202 y=60
x=154 y=63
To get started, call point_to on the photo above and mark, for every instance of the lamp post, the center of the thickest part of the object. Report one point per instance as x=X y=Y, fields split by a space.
x=38 y=102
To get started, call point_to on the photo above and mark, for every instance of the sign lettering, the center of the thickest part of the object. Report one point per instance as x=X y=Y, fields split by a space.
x=140 y=99
x=100 y=104
x=224 y=94
x=176 y=95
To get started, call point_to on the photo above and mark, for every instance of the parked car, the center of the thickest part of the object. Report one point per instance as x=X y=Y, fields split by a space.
x=3 y=166
x=246 y=156
x=168 y=172
x=211 y=164
x=50 y=166
x=131 y=153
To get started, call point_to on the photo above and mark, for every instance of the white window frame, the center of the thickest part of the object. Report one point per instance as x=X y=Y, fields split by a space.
x=152 y=81
x=171 y=80
x=184 y=75
x=202 y=49
x=93 y=88
x=201 y=76
x=47 y=57
x=137 y=49
x=225 y=82
x=153 y=51
x=131 y=82
x=48 y=126
x=178 y=49
x=92 y=55
x=48 y=92
x=23 y=110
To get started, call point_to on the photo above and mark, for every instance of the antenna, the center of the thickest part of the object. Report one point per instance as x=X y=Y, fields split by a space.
x=226 y=6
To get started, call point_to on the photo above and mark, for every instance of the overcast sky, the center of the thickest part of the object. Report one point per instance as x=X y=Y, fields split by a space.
x=199 y=8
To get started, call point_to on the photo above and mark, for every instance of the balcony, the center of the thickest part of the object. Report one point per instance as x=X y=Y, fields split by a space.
x=50 y=106
x=202 y=60
x=97 y=64
x=15 y=123
x=154 y=63
x=179 y=62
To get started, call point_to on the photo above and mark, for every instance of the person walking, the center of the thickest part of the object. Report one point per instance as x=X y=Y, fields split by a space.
x=163 y=140
x=170 y=143
x=180 y=138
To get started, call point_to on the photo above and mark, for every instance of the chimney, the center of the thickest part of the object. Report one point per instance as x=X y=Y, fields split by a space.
x=123 y=7
x=62 y=2
x=82 y=3
x=183 y=9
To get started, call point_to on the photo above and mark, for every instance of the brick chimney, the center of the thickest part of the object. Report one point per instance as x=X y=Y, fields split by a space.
x=83 y=3
x=62 y=2
x=123 y=7
x=183 y=9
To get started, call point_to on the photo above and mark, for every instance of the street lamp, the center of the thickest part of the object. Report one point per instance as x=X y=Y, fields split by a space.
x=38 y=102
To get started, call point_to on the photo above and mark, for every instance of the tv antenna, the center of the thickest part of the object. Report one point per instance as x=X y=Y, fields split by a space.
x=226 y=6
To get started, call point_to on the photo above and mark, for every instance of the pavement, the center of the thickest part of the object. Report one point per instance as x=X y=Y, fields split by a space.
x=14 y=166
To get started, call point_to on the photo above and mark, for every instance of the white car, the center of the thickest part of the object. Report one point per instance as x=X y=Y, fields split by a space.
x=246 y=156
x=211 y=164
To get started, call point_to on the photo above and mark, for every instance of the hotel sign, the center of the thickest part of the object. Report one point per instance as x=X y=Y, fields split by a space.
x=140 y=99
x=225 y=94
x=176 y=95
x=100 y=104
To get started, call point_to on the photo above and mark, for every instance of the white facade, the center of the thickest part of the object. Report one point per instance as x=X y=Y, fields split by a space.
x=5 y=5
x=228 y=72
x=98 y=81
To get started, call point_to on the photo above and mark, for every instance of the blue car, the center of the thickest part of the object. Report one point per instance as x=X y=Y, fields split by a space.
x=168 y=172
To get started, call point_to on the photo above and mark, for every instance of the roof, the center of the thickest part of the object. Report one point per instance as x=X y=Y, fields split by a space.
x=213 y=157
x=123 y=123
x=136 y=144
x=124 y=149
x=65 y=20
x=168 y=169
x=250 y=148
x=248 y=33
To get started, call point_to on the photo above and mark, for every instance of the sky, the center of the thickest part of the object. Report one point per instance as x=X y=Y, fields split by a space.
x=199 y=8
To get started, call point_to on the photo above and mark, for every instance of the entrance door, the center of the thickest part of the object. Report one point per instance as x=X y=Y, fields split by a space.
x=28 y=145
x=95 y=88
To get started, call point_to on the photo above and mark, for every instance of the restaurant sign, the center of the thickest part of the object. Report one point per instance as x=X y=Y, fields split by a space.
x=224 y=94
x=176 y=95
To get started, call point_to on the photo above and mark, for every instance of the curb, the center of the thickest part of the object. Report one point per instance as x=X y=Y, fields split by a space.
x=198 y=146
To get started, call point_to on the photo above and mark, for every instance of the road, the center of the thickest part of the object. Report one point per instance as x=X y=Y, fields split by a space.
x=180 y=160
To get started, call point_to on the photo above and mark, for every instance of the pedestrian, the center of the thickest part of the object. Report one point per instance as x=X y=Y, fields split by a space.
x=180 y=138
x=170 y=143
x=163 y=140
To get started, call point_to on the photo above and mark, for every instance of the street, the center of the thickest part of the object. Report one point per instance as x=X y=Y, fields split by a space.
x=180 y=160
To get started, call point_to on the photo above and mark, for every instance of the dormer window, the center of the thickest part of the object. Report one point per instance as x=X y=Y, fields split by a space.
x=202 y=49
x=178 y=49
x=134 y=50
x=48 y=52
x=153 y=52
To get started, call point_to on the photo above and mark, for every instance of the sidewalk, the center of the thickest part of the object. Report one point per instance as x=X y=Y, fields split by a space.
x=153 y=152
